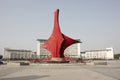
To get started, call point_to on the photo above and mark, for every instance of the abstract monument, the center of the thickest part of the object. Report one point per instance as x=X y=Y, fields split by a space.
x=58 y=42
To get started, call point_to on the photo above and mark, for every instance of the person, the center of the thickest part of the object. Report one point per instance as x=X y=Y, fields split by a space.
x=1 y=59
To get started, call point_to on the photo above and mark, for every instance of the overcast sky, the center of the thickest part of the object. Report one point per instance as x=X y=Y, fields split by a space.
x=95 y=22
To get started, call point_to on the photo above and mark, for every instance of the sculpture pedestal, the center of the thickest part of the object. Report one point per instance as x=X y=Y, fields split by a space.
x=58 y=60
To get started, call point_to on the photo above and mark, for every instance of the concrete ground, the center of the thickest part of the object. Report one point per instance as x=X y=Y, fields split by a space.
x=60 y=72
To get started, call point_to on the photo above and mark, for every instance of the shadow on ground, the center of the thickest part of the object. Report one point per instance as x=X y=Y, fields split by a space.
x=32 y=77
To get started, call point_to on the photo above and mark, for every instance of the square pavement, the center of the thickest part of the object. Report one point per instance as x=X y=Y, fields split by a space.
x=59 y=72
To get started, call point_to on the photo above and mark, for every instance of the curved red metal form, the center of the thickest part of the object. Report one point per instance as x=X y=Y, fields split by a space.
x=58 y=42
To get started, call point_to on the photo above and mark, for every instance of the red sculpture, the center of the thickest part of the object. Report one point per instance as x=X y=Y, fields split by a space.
x=58 y=42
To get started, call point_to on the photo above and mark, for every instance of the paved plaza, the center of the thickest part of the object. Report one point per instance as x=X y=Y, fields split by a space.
x=60 y=72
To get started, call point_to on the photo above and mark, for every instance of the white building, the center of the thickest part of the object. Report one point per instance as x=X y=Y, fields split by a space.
x=71 y=51
x=98 y=54
x=14 y=54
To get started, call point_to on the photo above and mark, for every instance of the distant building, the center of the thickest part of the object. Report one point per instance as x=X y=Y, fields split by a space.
x=98 y=54
x=71 y=51
x=14 y=54
x=117 y=56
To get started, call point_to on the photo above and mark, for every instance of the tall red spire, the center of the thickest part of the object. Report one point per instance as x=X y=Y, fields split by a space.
x=58 y=42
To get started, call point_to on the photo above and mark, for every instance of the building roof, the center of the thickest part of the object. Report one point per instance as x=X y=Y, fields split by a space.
x=46 y=40
x=8 y=49
x=41 y=39
x=96 y=50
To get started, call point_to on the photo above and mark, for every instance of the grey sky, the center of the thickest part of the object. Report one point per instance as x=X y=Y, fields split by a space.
x=95 y=22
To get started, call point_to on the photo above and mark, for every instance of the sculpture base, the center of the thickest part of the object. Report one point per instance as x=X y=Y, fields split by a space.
x=58 y=60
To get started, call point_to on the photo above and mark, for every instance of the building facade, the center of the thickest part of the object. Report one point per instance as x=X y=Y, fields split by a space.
x=71 y=51
x=14 y=54
x=98 y=54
